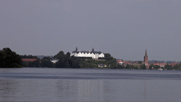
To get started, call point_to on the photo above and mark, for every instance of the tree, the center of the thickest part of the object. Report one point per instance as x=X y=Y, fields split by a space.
x=75 y=62
x=168 y=67
x=156 y=66
x=108 y=56
x=2 y=58
x=136 y=66
x=113 y=63
x=121 y=66
x=59 y=55
x=35 y=63
x=63 y=60
x=151 y=66
x=9 y=59
x=45 y=62
x=68 y=54
x=25 y=64
x=140 y=62
x=28 y=56
x=128 y=66
x=143 y=66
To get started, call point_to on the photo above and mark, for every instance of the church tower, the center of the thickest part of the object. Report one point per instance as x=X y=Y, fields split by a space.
x=146 y=57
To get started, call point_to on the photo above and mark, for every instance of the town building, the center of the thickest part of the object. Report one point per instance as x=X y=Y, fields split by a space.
x=173 y=64
x=88 y=54
x=162 y=65
x=29 y=59
x=120 y=62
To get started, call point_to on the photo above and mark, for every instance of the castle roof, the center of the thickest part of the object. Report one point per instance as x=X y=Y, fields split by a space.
x=95 y=52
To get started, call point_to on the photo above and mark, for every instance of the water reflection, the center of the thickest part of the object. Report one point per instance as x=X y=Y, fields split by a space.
x=69 y=86
x=7 y=89
x=90 y=90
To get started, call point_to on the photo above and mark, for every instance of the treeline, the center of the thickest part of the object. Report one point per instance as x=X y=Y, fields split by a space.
x=129 y=66
x=151 y=67
x=64 y=61
x=167 y=67
x=9 y=59
x=67 y=61
x=28 y=56
x=107 y=62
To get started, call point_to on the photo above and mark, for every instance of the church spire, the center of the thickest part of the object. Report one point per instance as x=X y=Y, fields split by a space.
x=146 y=57
x=146 y=52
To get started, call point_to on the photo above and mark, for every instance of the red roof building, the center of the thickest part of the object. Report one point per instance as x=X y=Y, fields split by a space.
x=173 y=64
x=29 y=59
x=119 y=62
x=160 y=64
x=126 y=62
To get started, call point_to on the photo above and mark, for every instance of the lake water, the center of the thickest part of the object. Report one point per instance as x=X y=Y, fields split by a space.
x=89 y=85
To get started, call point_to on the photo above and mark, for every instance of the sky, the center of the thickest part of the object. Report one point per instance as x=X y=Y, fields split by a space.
x=123 y=28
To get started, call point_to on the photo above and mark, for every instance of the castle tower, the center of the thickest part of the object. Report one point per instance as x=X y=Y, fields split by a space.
x=146 y=57
x=76 y=49
x=92 y=49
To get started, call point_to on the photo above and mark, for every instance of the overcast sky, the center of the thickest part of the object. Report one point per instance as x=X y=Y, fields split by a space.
x=123 y=28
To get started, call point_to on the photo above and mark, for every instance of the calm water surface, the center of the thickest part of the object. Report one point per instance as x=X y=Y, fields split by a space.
x=89 y=85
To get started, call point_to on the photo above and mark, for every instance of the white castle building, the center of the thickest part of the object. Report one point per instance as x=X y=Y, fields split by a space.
x=91 y=54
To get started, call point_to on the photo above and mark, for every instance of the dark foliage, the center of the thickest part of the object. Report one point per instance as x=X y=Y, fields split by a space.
x=28 y=56
x=9 y=59
x=46 y=62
